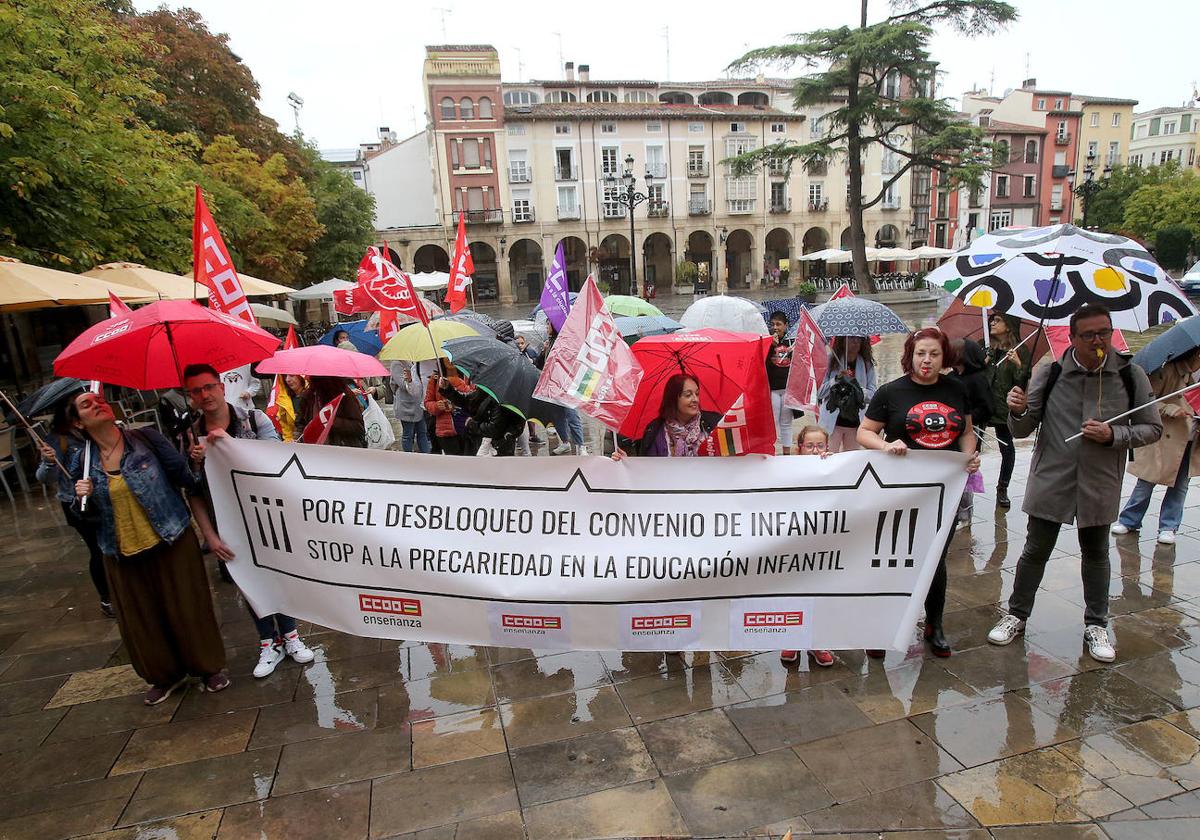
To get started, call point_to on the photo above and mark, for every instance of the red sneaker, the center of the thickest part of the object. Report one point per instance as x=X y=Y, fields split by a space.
x=789 y=657
x=824 y=658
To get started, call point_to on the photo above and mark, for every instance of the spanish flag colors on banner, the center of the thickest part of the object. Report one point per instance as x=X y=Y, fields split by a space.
x=729 y=438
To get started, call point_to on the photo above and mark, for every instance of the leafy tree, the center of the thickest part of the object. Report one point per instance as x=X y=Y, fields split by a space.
x=266 y=217
x=1171 y=246
x=1154 y=207
x=86 y=179
x=853 y=67
x=347 y=214
x=1106 y=211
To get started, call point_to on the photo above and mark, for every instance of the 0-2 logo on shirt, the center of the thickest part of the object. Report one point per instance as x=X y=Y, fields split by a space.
x=933 y=424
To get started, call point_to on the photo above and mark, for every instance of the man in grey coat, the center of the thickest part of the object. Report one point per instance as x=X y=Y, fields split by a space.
x=1078 y=481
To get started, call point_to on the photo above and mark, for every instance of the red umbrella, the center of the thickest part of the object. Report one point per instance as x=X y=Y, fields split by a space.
x=727 y=365
x=150 y=347
x=323 y=360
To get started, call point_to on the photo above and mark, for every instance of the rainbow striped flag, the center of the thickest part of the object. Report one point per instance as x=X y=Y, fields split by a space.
x=585 y=383
x=728 y=441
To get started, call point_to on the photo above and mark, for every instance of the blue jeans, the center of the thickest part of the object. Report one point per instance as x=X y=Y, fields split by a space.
x=1171 y=513
x=411 y=429
x=570 y=427
x=272 y=626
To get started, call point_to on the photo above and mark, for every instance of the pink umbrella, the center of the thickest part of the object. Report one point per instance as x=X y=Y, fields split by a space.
x=150 y=347
x=323 y=360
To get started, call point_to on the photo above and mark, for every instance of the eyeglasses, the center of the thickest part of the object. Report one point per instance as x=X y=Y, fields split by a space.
x=203 y=389
x=1094 y=334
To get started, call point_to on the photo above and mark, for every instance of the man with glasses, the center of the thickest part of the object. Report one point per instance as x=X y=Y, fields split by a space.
x=277 y=633
x=1079 y=481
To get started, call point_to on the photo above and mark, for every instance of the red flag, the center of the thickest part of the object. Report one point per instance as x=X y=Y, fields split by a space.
x=461 y=269
x=590 y=367
x=212 y=266
x=748 y=426
x=1059 y=339
x=389 y=324
x=318 y=429
x=351 y=301
x=810 y=363
x=388 y=287
x=1193 y=399
x=273 y=401
x=117 y=307
x=844 y=292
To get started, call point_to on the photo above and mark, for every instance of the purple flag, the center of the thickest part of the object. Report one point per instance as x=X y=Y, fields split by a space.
x=556 y=302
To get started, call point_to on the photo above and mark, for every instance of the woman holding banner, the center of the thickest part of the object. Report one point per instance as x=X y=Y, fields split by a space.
x=923 y=410
x=151 y=554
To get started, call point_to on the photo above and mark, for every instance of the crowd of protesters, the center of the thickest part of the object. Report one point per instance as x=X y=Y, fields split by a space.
x=146 y=490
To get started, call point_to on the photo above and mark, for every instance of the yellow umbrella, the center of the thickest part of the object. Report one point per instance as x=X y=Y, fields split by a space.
x=157 y=285
x=412 y=343
x=24 y=286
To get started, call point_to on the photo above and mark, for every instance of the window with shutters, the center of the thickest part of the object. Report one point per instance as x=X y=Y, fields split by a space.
x=447 y=108
x=485 y=108
x=466 y=107
x=475 y=198
x=470 y=150
x=608 y=128
x=610 y=161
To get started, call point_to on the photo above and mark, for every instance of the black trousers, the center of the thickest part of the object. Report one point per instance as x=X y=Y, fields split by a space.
x=89 y=532
x=1040 y=539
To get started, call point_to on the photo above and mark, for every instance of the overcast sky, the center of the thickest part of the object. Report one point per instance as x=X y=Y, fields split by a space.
x=357 y=64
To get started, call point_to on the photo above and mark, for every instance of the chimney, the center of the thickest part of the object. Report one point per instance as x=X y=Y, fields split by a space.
x=570 y=68
x=584 y=72
x=1029 y=84
x=386 y=135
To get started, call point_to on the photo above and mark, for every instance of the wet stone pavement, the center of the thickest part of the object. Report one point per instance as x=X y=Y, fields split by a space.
x=381 y=739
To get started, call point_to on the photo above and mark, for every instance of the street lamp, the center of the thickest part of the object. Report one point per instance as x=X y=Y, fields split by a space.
x=1090 y=186
x=629 y=198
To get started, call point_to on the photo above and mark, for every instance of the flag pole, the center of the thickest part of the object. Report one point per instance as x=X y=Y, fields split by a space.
x=1138 y=408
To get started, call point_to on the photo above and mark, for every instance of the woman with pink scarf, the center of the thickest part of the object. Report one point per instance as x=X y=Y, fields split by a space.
x=681 y=429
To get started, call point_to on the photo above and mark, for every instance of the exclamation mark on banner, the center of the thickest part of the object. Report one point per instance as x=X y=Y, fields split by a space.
x=912 y=536
x=893 y=558
x=879 y=538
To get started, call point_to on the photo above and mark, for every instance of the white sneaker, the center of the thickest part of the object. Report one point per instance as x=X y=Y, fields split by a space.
x=1006 y=630
x=1099 y=646
x=582 y=450
x=1166 y=537
x=294 y=647
x=563 y=448
x=1119 y=529
x=270 y=655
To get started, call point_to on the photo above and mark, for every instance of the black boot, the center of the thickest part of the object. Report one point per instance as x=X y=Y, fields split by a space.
x=937 y=641
x=1002 y=496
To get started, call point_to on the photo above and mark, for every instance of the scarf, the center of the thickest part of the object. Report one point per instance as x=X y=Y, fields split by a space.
x=684 y=439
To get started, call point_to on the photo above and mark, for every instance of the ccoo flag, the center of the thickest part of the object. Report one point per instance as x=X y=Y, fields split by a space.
x=461 y=269
x=556 y=300
x=810 y=363
x=388 y=287
x=590 y=367
x=318 y=429
x=116 y=306
x=213 y=267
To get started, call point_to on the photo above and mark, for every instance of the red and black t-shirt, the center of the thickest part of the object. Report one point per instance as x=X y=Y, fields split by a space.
x=779 y=362
x=923 y=416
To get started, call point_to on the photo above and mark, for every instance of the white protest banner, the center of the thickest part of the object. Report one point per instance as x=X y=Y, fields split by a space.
x=646 y=554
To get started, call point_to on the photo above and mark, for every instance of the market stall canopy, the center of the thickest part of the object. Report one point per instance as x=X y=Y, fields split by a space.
x=429 y=281
x=895 y=254
x=320 y=291
x=828 y=254
x=265 y=312
x=254 y=287
x=155 y=284
x=24 y=286
x=929 y=252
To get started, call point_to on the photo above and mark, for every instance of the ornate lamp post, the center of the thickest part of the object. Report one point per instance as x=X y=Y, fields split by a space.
x=1090 y=187
x=628 y=197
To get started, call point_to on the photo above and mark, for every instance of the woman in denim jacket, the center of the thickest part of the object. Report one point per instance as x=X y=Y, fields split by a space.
x=62 y=446
x=153 y=559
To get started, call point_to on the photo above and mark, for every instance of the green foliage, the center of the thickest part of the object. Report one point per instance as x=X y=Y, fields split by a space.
x=86 y=179
x=1172 y=245
x=1106 y=211
x=347 y=215
x=806 y=290
x=686 y=272
x=1154 y=207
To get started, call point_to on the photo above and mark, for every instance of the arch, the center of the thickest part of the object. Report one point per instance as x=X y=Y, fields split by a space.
x=700 y=251
x=815 y=239
x=715 y=97
x=575 y=252
x=1031 y=149
x=753 y=97
x=602 y=96
x=639 y=96
x=561 y=96
x=739 y=259
x=888 y=236
x=466 y=107
x=613 y=259
x=486 y=277
x=676 y=97
x=521 y=97
x=447 y=107
x=657 y=263
x=526 y=271
x=485 y=108
x=431 y=257
x=844 y=240
x=777 y=247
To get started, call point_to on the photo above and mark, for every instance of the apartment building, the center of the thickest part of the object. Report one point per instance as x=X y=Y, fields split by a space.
x=1166 y=134
x=525 y=165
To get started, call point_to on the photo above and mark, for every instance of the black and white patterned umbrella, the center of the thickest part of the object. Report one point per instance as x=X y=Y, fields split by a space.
x=857 y=316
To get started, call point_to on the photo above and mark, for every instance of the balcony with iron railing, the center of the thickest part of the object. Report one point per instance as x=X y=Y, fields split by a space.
x=657 y=169
x=699 y=207
x=891 y=202
x=1062 y=138
x=781 y=205
x=1060 y=171
x=522 y=215
x=480 y=217
x=818 y=168
x=1056 y=205
x=568 y=213
x=777 y=167
x=520 y=174
x=658 y=210
x=819 y=205
x=566 y=173
x=697 y=169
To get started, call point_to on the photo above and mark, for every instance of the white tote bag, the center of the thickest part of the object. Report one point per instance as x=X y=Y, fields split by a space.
x=379 y=428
